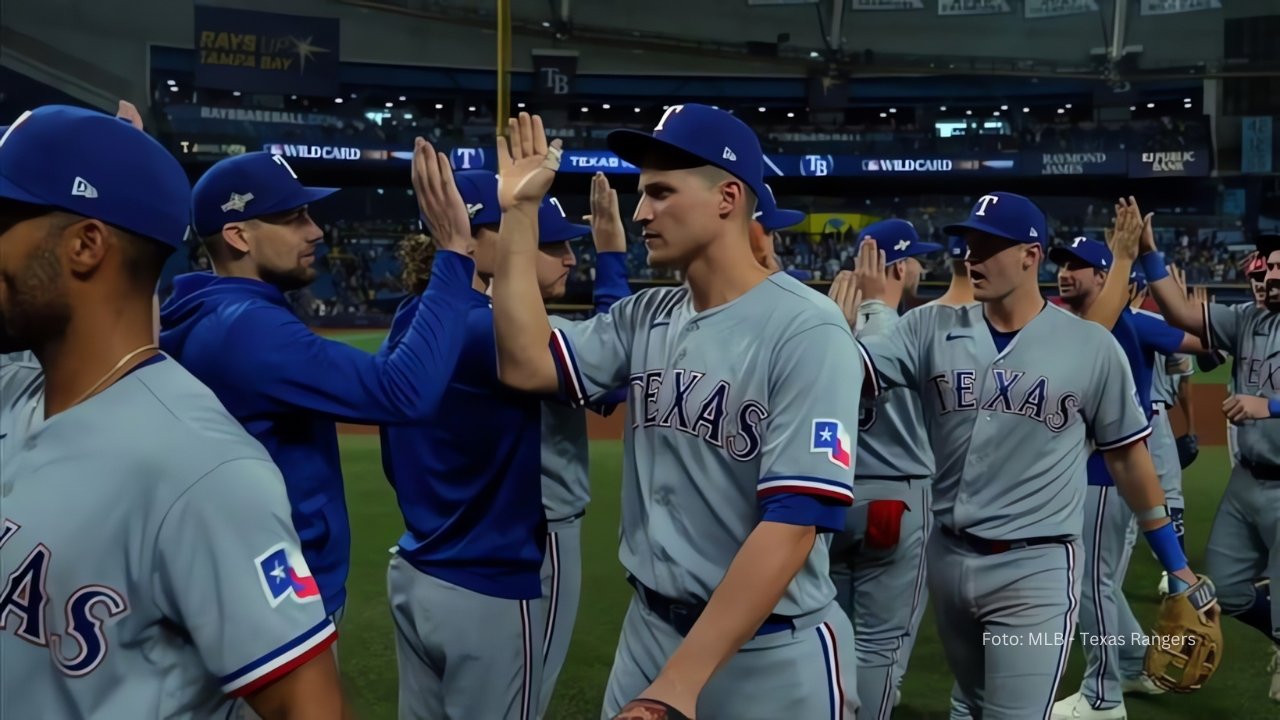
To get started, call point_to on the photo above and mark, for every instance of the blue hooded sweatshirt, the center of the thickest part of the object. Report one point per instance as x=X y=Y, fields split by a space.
x=289 y=386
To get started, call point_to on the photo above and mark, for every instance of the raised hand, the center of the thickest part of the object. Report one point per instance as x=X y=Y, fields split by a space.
x=847 y=296
x=128 y=111
x=869 y=270
x=438 y=198
x=606 y=217
x=1126 y=236
x=526 y=163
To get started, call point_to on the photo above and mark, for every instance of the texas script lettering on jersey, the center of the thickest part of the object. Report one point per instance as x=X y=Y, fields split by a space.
x=1009 y=395
x=24 y=601
x=707 y=421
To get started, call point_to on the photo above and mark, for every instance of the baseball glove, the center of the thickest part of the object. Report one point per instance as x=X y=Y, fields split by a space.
x=1188 y=449
x=1186 y=646
x=646 y=709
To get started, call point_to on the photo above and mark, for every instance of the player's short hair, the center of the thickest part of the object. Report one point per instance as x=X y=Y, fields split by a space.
x=665 y=157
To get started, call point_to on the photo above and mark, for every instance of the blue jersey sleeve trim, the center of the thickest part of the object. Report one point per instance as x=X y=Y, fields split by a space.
x=833 y=490
x=1273 y=407
x=572 y=387
x=1126 y=440
x=803 y=510
x=871 y=384
x=278 y=658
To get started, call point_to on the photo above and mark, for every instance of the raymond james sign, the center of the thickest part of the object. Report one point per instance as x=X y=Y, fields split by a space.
x=1174 y=163
x=1078 y=163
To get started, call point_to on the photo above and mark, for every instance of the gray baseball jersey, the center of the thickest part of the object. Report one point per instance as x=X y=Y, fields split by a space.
x=566 y=481
x=150 y=565
x=891 y=439
x=1165 y=386
x=1251 y=335
x=1011 y=430
x=729 y=407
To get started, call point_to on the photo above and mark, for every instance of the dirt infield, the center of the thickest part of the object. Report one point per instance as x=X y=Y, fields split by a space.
x=1210 y=425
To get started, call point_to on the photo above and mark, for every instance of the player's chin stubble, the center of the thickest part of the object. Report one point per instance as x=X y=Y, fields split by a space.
x=37 y=308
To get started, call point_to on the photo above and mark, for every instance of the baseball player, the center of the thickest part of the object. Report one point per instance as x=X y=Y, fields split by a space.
x=960 y=289
x=150 y=567
x=566 y=477
x=1256 y=272
x=1083 y=266
x=1244 y=544
x=877 y=563
x=745 y=385
x=236 y=331
x=1011 y=427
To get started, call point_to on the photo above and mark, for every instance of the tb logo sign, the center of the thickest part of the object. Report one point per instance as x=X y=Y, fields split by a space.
x=816 y=165
x=554 y=81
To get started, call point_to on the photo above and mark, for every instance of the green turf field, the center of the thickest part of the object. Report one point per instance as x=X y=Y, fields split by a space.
x=1238 y=692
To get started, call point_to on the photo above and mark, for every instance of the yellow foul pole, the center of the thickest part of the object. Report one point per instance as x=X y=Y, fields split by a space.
x=504 y=66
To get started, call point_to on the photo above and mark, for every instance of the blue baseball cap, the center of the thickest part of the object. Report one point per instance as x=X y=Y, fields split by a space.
x=1091 y=252
x=711 y=135
x=1005 y=215
x=773 y=218
x=898 y=239
x=554 y=226
x=97 y=166
x=248 y=186
x=479 y=190
x=1136 y=278
x=957 y=248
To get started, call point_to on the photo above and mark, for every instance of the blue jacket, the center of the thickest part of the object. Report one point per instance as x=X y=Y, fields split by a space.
x=289 y=387
x=469 y=484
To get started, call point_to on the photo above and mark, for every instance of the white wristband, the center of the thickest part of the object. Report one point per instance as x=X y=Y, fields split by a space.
x=1155 y=513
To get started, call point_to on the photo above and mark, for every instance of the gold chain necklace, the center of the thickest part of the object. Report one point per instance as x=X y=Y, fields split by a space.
x=112 y=371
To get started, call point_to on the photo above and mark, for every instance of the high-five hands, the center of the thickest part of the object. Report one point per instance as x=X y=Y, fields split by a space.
x=1129 y=230
x=606 y=218
x=438 y=198
x=526 y=163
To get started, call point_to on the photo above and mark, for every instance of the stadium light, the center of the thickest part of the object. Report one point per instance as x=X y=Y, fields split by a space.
x=605 y=106
x=338 y=100
x=760 y=109
x=439 y=106
x=815 y=54
x=471 y=108
x=1004 y=107
x=893 y=110
x=943 y=108
x=402 y=98
x=353 y=96
x=791 y=114
x=884 y=114
x=408 y=116
x=1062 y=111
x=1067 y=106
x=1026 y=109
x=1151 y=105
x=1185 y=100
x=1132 y=108
x=390 y=104
x=172 y=82
x=173 y=88
x=637 y=109
x=293 y=97
x=995 y=114
x=968 y=112
x=546 y=24
x=236 y=93
x=585 y=109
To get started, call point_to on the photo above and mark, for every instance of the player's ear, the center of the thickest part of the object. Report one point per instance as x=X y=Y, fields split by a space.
x=233 y=234
x=732 y=195
x=87 y=243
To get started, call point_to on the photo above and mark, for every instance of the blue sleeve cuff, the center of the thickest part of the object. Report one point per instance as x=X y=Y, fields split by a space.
x=796 y=509
x=1164 y=543
x=611 y=280
x=1153 y=266
x=1273 y=407
x=451 y=272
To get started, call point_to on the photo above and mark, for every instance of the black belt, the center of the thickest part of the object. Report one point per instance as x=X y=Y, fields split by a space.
x=682 y=615
x=1262 y=471
x=984 y=546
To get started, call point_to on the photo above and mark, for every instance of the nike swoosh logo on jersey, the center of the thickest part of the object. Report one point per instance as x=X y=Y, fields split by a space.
x=952 y=336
